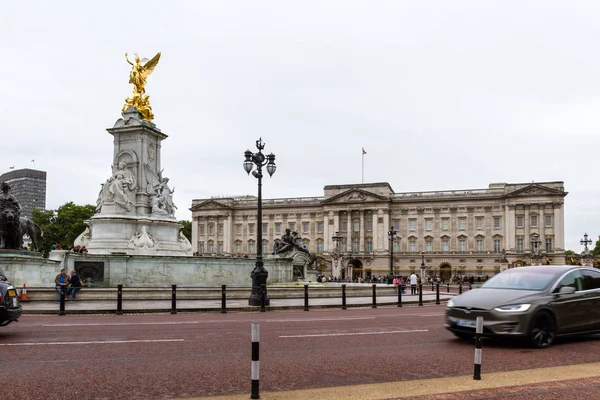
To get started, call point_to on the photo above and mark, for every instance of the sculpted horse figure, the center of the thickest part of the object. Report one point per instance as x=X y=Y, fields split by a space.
x=31 y=229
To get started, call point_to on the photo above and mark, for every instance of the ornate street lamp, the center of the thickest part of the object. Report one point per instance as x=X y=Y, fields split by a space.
x=423 y=266
x=336 y=256
x=587 y=258
x=259 y=273
x=392 y=236
x=536 y=254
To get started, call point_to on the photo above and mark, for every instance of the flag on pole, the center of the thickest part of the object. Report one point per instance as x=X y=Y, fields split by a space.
x=13 y=167
x=364 y=152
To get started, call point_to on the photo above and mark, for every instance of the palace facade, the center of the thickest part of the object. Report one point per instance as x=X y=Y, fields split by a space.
x=368 y=229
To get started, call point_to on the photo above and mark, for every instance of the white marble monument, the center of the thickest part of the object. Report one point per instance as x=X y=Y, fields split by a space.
x=135 y=213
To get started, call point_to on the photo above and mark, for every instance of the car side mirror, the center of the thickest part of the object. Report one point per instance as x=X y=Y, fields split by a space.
x=566 y=290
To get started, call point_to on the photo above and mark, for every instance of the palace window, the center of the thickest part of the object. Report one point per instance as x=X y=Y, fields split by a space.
x=480 y=245
x=344 y=246
x=462 y=245
x=238 y=229
x=265 y=248
x=370 y=225
x=497 y=245
x=238 y=247
x=220 y=229
x=497 y=224
x=251 y=229
x=211 y=247
x=355 y=246
x=428 y=246
x=548 y=221
x=344 y=226
x=220 y=247
x=201 y=229
x=265 y=228
x=396 y=224
x=396 y=245
x=520 y=244
x=201 y=247
x=356 y=225
x=462 y=224
x=479 y=223
x=369 y=246
x=445 y=224
x=211 y=229
x=412 y=224
x=292 y=226
x=305 y=226
x=428 y=224
x=413 y=246
x=445 y=245
x=277 y=227
x=519 y=221
x=534 y=220
x=319 y=246
x=319 y=227
x=251 y=247
x=548 y=244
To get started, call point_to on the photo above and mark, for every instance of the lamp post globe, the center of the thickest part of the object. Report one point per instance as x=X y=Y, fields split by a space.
x=259 y=274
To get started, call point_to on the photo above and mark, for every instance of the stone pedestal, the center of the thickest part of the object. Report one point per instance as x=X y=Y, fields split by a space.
x=135 y=213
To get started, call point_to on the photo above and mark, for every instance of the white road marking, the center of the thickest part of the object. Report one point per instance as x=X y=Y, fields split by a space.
x=206 y=322
x=354 y=333
x=431 y=315
x=91 y=342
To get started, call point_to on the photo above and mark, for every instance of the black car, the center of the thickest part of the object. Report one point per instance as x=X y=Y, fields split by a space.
x=10 y=308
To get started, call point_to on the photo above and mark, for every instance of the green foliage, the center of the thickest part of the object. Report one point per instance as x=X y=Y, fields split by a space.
x=596 y=250
x=187 y=229
x=62 y=225
x=569 y=253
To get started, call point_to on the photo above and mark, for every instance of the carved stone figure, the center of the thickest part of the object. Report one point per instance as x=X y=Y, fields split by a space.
x=11 y=236
x=138 y=77
x=184 y=243
x=142 y=239
x=290 y=242
x=118 y=187
x=84 y=238
x=167 y=194
x=158 y=205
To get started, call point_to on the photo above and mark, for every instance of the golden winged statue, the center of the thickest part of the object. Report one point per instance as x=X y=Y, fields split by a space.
x=138 y=77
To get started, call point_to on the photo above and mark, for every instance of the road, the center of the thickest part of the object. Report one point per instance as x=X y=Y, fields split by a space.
x=328 y=351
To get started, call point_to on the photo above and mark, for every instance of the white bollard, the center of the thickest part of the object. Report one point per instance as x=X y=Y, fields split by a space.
x=255 y=342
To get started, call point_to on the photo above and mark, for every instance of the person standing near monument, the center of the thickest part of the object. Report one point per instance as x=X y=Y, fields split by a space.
x=75 y=284
x=413 y=284
x=62 y=281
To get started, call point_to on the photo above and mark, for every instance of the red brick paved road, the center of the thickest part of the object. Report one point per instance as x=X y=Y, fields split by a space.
x=192 y=355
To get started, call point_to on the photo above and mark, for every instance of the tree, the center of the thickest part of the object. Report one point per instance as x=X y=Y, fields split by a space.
x=187 y=229
x=62 y=226
x=596 y=250
x=569 y=253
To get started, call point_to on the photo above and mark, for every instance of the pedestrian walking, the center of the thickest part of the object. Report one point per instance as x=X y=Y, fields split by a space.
x=75 y=285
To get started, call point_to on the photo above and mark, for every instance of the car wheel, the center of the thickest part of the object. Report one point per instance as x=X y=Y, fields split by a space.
x=463 y=335
x=543 y=330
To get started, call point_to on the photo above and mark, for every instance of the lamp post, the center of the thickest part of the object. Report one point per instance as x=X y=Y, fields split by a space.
x=259 y=273
x=337 y=238
x=536 y=256
x=423 y=266
x=392 y=236
x=587 y=258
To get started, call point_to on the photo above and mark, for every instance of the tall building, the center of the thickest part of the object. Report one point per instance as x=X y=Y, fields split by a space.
x=29 y=188
x=444 y=233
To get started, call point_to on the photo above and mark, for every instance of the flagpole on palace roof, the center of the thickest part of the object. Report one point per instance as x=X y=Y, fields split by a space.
x=363 y=164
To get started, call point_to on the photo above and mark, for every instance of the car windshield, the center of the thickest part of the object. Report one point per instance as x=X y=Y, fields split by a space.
x=521 y=279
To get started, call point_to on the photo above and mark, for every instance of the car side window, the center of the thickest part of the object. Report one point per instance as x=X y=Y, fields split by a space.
x=572 y=279
x=591 y=279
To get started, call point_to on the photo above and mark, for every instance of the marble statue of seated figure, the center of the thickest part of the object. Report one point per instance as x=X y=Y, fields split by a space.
x=158 y=205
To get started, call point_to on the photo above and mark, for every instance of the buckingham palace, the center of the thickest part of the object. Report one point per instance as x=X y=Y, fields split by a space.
x=368 y=229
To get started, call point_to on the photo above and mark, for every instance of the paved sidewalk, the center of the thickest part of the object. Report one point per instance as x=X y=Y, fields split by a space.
x=157 y=306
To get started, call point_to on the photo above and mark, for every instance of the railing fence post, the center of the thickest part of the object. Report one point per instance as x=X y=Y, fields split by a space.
x=374 y=305
x=173 y=299
x=223 y=299
x=255 y=366
x=478 y=343
x=119 y=299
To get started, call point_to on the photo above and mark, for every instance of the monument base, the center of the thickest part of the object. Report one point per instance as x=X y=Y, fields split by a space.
x=134 y=235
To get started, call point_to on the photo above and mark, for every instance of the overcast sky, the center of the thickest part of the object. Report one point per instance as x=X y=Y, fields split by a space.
x=441 y=94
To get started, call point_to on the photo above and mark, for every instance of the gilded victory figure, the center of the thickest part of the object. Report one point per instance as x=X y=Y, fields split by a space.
x=138 y=76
